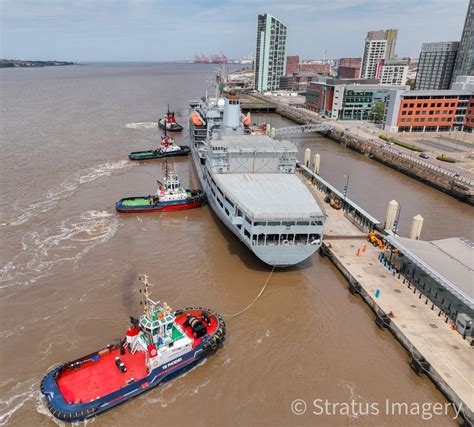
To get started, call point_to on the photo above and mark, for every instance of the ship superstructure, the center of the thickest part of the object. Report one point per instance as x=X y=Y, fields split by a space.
x=251 y=184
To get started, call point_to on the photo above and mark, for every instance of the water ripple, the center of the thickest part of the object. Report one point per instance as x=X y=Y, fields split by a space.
x=44 y=249
x=67 y=189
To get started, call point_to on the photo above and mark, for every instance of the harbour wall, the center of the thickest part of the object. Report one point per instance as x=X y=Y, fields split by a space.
x=353 y=222
x=416 y=357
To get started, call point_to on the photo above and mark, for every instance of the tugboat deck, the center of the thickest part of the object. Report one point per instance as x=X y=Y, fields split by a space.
x=137 y=201
x=196 y=341
x=97 y=379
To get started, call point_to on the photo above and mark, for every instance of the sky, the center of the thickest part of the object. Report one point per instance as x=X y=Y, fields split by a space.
x=158 y=30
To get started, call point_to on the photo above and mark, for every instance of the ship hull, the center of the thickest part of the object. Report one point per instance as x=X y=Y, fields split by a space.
x=69 y=412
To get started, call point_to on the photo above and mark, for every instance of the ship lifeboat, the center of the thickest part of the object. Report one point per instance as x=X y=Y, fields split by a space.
x=197 y=121
x=246 y=120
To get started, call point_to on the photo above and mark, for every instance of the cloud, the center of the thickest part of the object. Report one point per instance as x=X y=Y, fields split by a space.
x=154 y=30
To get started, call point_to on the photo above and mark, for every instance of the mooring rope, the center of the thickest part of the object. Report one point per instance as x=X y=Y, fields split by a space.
x=255 y=299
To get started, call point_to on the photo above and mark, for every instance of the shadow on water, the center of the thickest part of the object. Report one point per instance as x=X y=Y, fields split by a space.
x=129 y=294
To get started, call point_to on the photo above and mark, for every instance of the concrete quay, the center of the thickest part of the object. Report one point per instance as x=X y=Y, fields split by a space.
x=444 y=179
x=253 y=104
x=435 y=349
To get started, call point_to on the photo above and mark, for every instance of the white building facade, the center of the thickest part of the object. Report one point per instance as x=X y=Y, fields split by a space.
x=270 y=58
x=392 y=72
x=378 y=45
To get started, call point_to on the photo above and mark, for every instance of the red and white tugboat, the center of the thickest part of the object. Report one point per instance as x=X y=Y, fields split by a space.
x=169 y=123
x=170 y=196
x=162 y=344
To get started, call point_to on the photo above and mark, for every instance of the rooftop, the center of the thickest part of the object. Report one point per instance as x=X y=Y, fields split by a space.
x=436 y=92
x=449 y=261
x=260 y=143
x=266 y=196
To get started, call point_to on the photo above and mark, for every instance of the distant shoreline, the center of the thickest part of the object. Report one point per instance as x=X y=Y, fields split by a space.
x=13 y=63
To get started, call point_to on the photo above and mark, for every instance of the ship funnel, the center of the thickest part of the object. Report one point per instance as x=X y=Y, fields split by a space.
x=232 y=111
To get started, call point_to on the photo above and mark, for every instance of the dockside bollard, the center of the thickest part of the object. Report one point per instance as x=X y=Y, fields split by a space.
x=316 y=163
x=416 y=226
x=392 y=210
x=307 y=157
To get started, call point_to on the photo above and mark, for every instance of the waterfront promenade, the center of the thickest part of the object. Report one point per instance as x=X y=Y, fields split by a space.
x=413 y=320
x=454 y=181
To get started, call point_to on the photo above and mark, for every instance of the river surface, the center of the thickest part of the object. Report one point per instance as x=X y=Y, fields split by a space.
x=69 y=263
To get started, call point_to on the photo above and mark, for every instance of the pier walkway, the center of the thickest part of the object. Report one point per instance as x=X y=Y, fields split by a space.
x=435 y=348
x=294 y=130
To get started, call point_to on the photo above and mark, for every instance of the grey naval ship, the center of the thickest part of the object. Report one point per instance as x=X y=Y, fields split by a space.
x=251 y=185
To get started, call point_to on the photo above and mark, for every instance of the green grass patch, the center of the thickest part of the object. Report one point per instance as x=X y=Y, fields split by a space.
x=401 y=144
x=446 y=159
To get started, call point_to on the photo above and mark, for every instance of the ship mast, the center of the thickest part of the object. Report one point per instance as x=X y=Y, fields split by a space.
x=167 y=172
x=146 y=293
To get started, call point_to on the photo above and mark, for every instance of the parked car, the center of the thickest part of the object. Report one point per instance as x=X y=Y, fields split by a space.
x=424 y=156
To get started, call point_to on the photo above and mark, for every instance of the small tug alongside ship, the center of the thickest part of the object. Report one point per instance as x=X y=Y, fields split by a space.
x=167 y=149
x=170 y=196
x=168 y=122
x=160 y=345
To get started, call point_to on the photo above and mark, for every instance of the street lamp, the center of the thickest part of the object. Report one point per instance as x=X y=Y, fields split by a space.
x=397 y=220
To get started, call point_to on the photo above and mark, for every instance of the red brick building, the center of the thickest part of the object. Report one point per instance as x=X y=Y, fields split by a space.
x=322 y=69
x=349 y=68
x=292 y=64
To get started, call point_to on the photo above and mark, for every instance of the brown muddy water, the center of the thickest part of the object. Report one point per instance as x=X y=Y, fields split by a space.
x=69 y=263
